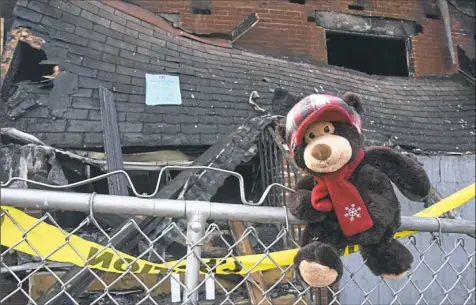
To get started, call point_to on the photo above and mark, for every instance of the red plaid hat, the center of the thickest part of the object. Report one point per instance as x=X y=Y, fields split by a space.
x=314 y=108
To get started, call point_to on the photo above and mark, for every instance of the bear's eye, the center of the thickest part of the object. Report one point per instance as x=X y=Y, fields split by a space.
x=311 y=135
x=327 y=129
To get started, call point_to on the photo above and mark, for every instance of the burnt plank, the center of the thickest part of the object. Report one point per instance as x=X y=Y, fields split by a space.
x=245 y=25
x=112 y=143
x=238 y=229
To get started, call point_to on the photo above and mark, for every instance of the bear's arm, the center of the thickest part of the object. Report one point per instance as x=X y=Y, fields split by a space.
x=306 y=183
x=299 y=203
x=409 y=176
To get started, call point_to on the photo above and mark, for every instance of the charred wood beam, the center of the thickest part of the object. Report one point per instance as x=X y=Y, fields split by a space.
x=245 y=25
x=112 y=142
x=283 y=150
x=255 y=291
x=112 y=146
x=370 y=25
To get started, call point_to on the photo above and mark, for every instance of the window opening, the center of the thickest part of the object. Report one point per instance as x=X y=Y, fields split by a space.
x=200 y=11
x=356 y=7
x=29 y=67
x=369 y=54
x=431 y=10
x=202 y=7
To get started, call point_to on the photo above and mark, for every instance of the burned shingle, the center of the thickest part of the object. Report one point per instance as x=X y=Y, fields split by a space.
x=217 y=82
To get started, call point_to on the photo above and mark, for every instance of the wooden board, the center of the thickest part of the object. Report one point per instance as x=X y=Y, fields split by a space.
x=112 y=142
x=237 y=229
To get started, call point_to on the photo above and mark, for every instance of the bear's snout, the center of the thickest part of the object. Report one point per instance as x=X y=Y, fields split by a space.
x=321 y=152
x=328 y=153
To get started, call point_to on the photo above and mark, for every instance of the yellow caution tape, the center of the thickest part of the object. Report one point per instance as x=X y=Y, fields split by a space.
x=29 y=235
x=447 y=204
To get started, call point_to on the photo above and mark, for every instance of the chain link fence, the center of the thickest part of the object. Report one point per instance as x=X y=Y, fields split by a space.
x=223 y=253
x=443 y=271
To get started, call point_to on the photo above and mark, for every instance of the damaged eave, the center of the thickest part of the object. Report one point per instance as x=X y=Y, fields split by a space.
x=236 y=33
x=148 y=161
x=31 y=161
x=20 y=96
x=153 y=162
x=158 y=21
x=16 y=35
x=12 y=135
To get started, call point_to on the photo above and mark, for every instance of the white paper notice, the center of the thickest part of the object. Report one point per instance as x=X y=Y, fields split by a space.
x=162 y=90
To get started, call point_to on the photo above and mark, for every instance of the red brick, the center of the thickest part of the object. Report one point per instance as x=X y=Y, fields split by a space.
x=283 y=28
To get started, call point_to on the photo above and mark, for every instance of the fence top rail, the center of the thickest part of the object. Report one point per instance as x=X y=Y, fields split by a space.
x=97 y=203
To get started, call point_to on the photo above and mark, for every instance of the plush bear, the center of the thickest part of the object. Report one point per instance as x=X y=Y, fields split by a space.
x=346 y=194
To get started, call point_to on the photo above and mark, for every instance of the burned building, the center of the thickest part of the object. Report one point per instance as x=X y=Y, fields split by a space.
x=419 y=37
x=73 y=91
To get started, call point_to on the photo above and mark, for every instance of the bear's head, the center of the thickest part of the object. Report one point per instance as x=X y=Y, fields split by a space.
x=324 y=132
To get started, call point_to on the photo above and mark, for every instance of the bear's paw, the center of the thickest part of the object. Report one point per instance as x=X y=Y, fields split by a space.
x=390 y=276
x=317 y=275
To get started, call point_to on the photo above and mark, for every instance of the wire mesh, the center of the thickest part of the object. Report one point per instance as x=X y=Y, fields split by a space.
x=443 y=272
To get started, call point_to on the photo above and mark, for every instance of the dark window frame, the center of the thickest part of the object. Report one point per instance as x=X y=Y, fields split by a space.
x=406 y=40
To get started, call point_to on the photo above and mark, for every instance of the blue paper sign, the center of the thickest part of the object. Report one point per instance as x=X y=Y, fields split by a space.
x=162 y=90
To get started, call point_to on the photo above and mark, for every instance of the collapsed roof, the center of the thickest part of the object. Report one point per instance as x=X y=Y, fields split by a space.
x=94 y=43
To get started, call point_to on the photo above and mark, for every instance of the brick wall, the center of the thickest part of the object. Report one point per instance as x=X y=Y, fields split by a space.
x=284 y=30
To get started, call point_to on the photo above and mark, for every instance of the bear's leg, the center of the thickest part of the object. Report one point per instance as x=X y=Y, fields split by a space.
x=318 y=264
x=392 y=260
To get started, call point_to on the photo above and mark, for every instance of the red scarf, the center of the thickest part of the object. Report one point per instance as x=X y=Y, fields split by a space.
x=334 y=191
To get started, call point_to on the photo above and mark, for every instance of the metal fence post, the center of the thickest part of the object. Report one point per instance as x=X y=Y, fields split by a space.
x=197 y=216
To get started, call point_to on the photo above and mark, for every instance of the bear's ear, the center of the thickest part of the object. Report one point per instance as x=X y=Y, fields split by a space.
x=353 y=100
x=283 y=101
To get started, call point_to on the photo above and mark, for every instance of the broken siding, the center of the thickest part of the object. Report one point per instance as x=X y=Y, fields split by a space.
x=34 y=162
x=429 y=114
